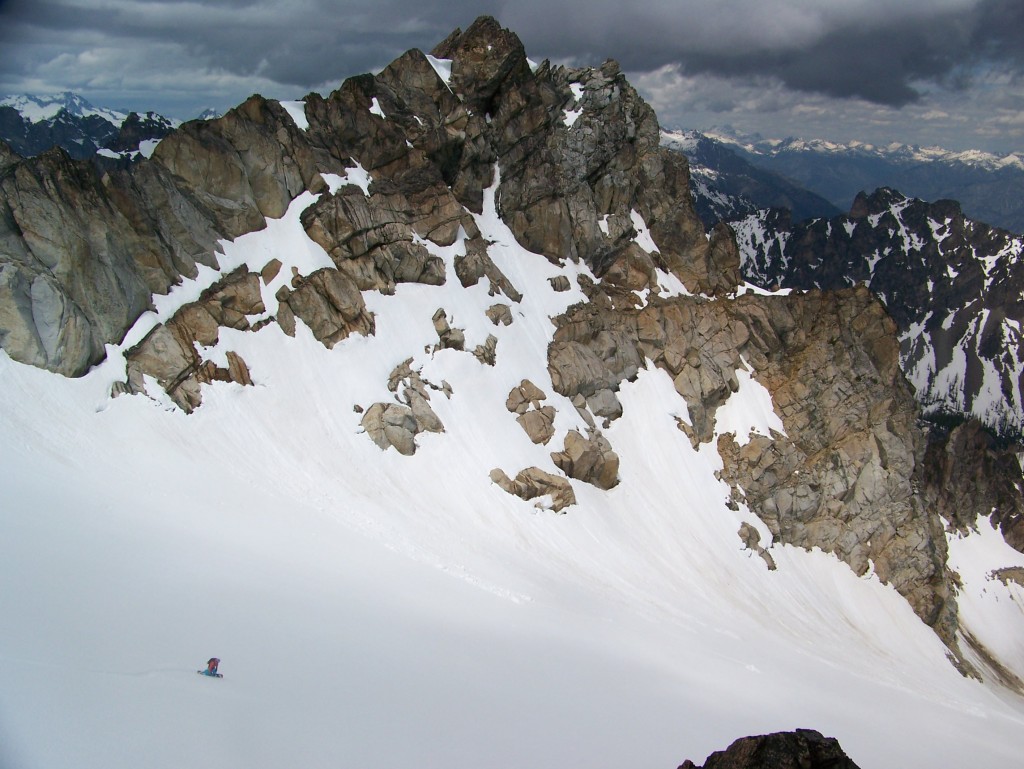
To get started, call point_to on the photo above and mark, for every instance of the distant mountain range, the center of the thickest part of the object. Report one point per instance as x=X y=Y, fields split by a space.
x=988 y=187
x=726 y=186
x=33 y=124
x=953 y=286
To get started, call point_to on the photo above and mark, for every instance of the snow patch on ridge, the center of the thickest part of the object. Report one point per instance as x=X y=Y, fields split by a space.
x=356 y=176
x=443 y=68
x=748 y=411
x=571 y=116
x=297 y=112
x=643 y=235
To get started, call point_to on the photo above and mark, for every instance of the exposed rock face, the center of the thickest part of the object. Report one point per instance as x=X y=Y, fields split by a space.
x=244 y=167
x=475 y=265
x=487 y=352
x=560 y=283
x=500 y=314
x=72 y=283
x=751 y=539
x=81 y=253
x=800 y=749
x=605 y=403
x=450 y=338
x=967 y=463
x=843 y=480
x=83 y=249
x=371 y=240
x=329 y=302
x=609 y=160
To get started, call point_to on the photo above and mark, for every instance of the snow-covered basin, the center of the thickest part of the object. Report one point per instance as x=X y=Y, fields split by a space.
x=375 y=610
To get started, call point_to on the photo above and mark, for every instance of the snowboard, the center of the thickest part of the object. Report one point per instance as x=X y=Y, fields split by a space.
x=215 y=675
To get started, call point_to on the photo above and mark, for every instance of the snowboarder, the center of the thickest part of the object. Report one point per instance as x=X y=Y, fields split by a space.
x=211 y=668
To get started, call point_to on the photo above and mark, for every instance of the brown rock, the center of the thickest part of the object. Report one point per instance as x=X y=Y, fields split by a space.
x=499 y=314
x=589 y=459
x=560 y=283
x=539 y=424
x=522 y=398
x=330 y=304
x=169 y=355
x=534 y=483
x=450 y=338
x=487 y=352
x=270 y=271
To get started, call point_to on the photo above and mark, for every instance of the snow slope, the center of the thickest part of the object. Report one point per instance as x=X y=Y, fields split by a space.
x=375 y=610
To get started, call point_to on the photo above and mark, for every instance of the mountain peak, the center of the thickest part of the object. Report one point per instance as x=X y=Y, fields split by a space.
x=483 y=57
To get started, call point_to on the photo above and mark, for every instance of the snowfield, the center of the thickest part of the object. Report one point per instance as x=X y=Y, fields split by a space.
x=375 y=610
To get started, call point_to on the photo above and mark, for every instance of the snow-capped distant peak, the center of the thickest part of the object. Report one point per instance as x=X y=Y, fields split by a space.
x=758 y=145
x=683 y=141
x=36 y=109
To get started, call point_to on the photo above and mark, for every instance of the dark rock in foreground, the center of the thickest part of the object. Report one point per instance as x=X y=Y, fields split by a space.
x=801 y=749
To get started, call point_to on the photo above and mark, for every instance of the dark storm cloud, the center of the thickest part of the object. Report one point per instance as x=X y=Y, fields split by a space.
x=875 y=51
x=879 y=65
x=869 y=49
x=1000 y=30
x=292 y=43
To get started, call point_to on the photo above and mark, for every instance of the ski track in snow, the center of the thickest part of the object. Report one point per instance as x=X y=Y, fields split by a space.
x=374 y=610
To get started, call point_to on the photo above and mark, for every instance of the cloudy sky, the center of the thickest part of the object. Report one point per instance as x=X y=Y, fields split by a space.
x=945 y=72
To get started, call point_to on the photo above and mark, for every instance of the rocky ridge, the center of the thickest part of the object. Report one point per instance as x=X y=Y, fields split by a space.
x=581 y=180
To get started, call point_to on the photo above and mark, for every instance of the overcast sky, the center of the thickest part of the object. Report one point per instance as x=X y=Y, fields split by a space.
x=946 y=72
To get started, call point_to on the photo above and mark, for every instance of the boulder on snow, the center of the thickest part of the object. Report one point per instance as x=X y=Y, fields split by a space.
x=538 y=421
x=499 y=314
x=396 y=425
x=589 y=459
x=450 y=338
x=553 y=491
